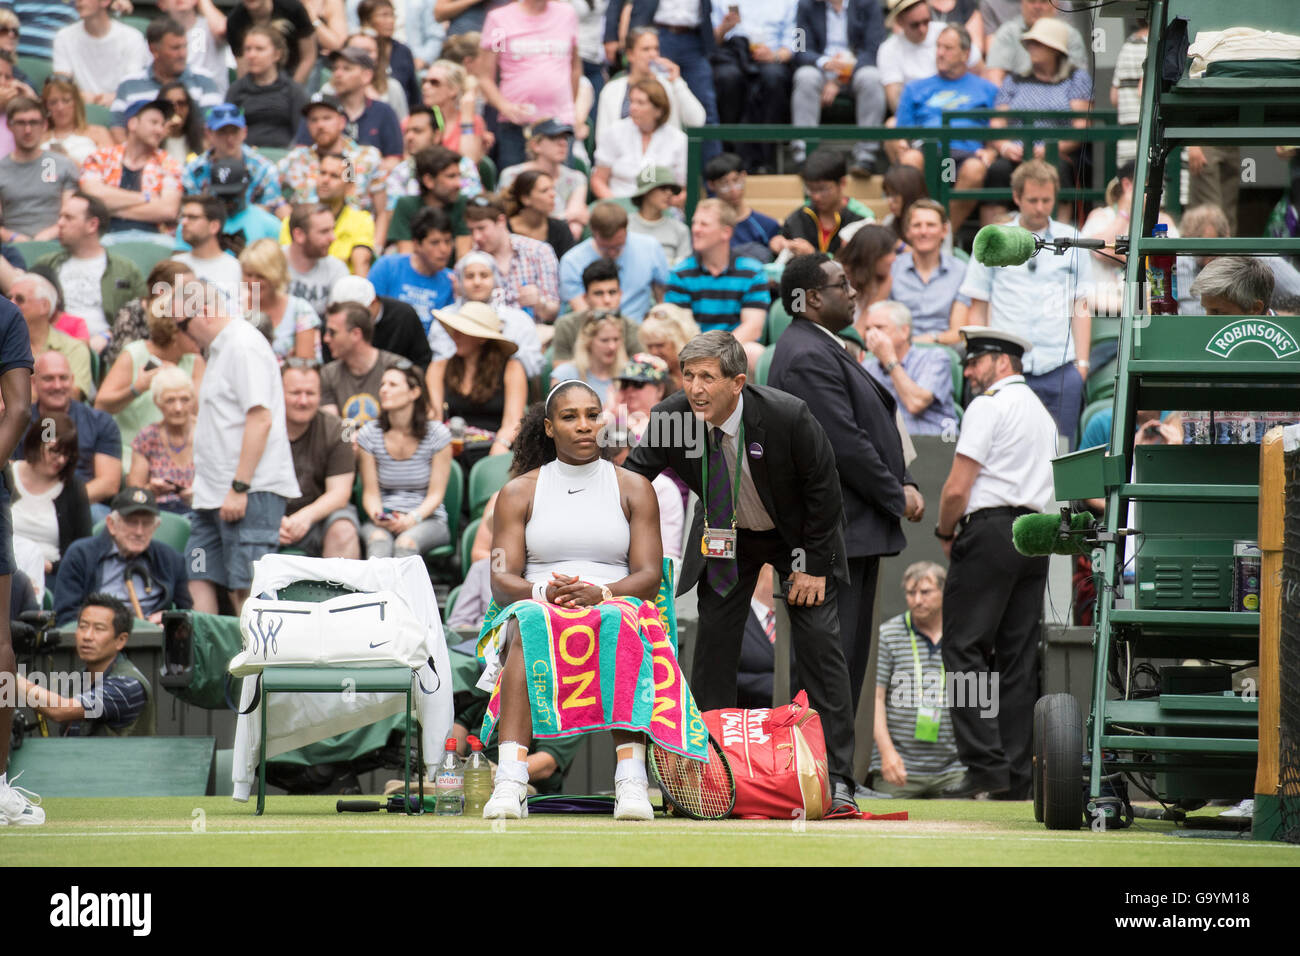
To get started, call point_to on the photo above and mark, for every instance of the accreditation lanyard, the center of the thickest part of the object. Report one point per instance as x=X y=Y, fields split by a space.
x=928 y=718
x=720 y=543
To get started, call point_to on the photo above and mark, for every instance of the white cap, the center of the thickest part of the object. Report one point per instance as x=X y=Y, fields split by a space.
x=352 y=289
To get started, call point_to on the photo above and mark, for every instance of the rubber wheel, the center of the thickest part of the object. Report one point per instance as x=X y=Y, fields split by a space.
x=1036 y=770
x=1062 y=762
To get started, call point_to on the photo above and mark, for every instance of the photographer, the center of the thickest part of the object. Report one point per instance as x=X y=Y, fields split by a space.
x=118 y=700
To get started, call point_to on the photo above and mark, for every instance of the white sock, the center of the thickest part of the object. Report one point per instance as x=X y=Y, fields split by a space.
x=513 y=764
x=4 y=780
x=630 y=769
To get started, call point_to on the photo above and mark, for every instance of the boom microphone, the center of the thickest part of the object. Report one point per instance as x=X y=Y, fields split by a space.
x=1037 y=535
x=1004 y=246
x=1015 y=245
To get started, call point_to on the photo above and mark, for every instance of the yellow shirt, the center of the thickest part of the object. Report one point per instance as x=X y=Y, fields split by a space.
x=352 y=227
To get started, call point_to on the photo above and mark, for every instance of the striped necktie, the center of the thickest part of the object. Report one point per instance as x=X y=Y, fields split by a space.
x=722 y=575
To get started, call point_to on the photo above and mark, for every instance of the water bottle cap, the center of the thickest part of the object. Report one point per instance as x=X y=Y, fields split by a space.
x=451 y=743
x=1161 y=229
x=474 y=742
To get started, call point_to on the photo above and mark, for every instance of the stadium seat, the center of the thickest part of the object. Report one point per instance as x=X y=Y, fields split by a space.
x=451 y=501
x=174 y=530
x=37 y=69
x=1090 y=412
x=96 y=369
x=958 y=379
x=273 y=153
x=778 y=320
x=467 y=543
x=486 y=479
x=1101 y=383
x=764 y=363
x=97 y=115
x=144 y=255
x=33 y=249
x=487 y=172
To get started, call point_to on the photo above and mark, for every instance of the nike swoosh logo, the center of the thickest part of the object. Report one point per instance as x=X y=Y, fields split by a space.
x=574 y=491
x=380 y=644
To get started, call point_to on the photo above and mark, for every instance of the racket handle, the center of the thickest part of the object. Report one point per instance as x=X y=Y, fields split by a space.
x=358 y=806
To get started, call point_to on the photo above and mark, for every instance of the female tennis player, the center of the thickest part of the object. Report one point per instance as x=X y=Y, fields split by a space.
x=580 y=642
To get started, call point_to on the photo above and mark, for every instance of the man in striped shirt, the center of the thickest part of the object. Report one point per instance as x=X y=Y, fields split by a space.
x=723 y=291
x=916 y=753
x=40 y=20
x=116 y=699
x=169 y=47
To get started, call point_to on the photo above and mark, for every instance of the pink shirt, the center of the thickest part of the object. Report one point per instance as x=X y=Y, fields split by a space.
x=535 y=57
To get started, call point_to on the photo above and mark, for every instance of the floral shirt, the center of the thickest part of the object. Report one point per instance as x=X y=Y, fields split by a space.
x=160 y=174
x=151 y=444
x=299 y=316
x=300 y=166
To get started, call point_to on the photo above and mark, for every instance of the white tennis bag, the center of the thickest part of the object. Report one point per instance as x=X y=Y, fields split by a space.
x=376 y=627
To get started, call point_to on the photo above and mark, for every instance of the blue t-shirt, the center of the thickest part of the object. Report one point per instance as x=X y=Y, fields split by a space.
x=377 y=126
x=395 y=277
x=754 y=228
x=924 y=102
x=15 y=351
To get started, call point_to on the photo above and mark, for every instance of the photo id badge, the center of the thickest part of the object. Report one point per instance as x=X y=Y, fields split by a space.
x=719 y=543
x=927 y=724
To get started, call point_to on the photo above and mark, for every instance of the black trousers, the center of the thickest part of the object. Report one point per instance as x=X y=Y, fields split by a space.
x=814 y=632
x=750 y=92
x=992 y=609
x=857 y=602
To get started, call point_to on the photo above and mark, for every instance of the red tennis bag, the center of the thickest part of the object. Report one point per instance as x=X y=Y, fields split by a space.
x=778 y=757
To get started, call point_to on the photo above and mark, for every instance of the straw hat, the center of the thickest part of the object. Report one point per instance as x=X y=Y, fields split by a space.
x=477 y=319
x=896 y=7
x=1051 y=33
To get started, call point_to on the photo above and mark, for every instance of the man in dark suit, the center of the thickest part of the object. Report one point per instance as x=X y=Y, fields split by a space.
x=860 y=418
x=684 y=38
x=824 y=67
x=765 y=473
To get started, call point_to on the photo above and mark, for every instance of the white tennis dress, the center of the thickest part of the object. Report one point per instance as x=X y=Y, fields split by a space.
x=577 y=525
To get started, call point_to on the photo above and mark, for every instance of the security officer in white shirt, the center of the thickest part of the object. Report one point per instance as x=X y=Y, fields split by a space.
x=993 y=600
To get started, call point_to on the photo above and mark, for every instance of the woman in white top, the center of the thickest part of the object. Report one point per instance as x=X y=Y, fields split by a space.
x=65 y=110
x=49 y=506
x=571 y=530
x=645 y=63
x=642 y=141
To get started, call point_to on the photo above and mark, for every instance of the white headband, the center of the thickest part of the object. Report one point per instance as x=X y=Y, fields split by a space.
x=565 y=384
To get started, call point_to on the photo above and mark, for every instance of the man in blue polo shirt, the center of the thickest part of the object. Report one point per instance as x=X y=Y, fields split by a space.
x=953 y=87
x=723 y=291
x=16 y=390
x=642 y=266
x=419 y=278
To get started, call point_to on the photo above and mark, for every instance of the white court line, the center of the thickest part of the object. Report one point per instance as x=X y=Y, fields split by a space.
x=523 y=830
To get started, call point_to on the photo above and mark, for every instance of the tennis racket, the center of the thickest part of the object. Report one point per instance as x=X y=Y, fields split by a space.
x=699 y=790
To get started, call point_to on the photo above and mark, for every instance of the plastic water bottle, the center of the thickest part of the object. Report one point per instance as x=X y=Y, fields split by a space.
x=478 y=779
x=1162 y=277
x=449 y=783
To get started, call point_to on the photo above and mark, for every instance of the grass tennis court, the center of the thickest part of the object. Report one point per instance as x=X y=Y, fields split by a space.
x=306 y=831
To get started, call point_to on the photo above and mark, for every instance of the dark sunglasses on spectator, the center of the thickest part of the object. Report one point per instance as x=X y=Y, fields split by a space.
x=60 y=78
x=12 y=31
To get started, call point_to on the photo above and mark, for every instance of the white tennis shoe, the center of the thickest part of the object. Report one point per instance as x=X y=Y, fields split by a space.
x=20 y=807
x=509 y=801
x=632 y=801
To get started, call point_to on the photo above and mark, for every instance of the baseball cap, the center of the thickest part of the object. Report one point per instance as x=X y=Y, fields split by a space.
x=225 y=114
x=129 y=501
x=353 y=54
x=642 y=370
x=652 y=177
x=161 y=105
x=550 y=127
x=229 y=177
x=324 y=99
x=352 y=289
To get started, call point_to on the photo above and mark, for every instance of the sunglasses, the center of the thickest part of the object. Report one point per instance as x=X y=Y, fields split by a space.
x=9 y=31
